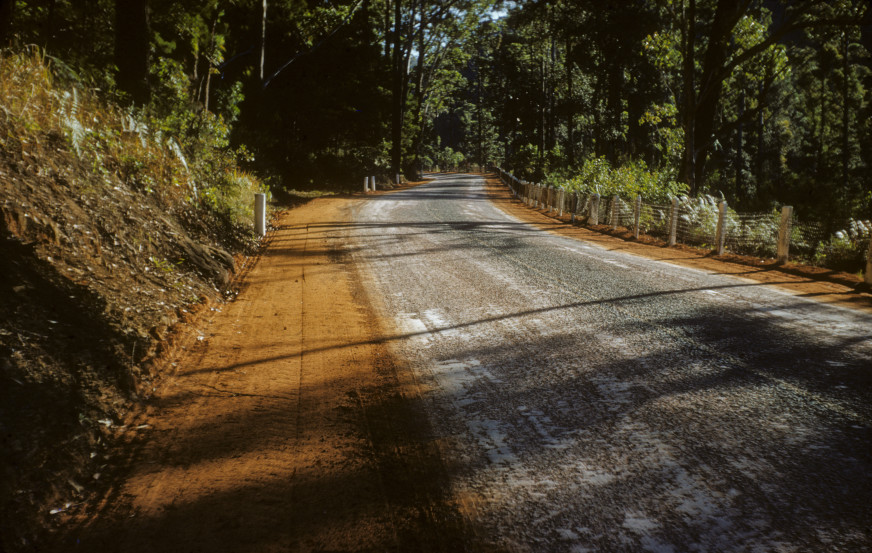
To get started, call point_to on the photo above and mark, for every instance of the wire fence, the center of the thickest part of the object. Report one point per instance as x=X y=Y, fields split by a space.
x=707 y=223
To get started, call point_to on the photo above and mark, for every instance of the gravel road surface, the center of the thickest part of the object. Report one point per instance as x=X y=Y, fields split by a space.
x=592 y=400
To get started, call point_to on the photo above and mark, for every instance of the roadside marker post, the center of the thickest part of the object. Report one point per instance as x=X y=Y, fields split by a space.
x=260 y=215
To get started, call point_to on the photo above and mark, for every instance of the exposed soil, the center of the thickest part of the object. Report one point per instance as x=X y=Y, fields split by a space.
x=822 y=284
x=286 y=425
x=95 y=271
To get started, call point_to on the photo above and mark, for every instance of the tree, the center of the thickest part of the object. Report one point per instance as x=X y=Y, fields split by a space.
x=132 y=40
x=7 y=9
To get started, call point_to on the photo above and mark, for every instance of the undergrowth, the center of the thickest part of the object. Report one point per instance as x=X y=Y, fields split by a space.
x=166 y=149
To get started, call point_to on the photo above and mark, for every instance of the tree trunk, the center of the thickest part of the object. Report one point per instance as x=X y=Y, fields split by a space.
x=727 y=14
x=740 y=155
x=688 y=164
x=570 y=108
x=397 y=92
x=846 y=127
x=131 y=48
x=7 y=8
x=263 y=42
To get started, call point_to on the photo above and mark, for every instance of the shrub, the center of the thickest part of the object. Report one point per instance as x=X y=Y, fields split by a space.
x=597 y=176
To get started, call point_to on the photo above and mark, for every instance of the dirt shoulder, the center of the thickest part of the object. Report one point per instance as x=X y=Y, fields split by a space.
x=286 y=424
x=823 y=285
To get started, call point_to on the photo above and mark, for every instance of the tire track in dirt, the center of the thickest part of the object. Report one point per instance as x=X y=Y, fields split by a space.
x=286 y=426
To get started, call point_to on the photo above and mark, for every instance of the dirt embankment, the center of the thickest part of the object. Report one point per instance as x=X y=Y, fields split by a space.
x=285 y=426
x=94 y=274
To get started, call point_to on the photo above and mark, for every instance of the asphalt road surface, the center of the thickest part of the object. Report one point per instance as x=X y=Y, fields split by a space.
x=590 y=400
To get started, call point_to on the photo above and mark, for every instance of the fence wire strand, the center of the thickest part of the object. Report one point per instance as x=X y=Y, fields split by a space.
x=697 y=224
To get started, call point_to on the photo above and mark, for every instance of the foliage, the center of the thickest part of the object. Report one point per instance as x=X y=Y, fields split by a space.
x=627 y=181
x=142 y=149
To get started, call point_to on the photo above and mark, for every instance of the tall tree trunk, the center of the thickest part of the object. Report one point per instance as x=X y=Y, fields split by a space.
x=727 y=14
x=846 y=127
x=418 y=136
x=688 y=164
x=131 y=48
x=543 y=102
x=263 y=42
x=480 y=115
x=740 y=155
x=397 y=92
x=570 y=108
x=7 y=8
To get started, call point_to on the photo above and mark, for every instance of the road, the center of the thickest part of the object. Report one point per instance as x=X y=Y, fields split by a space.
x=592 y=400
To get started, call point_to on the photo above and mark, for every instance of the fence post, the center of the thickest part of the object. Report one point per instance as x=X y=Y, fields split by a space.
x=868 y=276
x=721 y=234
x=784 y=234
x=260 y=214
x=637 y=215
x=614 y=213
x=372 y=183
x=561 y=197
x=365 y=185
x=573 y=206
x=594 y=210
x=673 y=222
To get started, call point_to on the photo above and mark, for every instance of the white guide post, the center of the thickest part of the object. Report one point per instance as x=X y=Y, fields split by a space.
x=260 y=215
x=372 y=183
x=365 y=185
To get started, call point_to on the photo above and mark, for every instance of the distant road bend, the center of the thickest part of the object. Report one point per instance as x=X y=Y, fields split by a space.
x=592 y=400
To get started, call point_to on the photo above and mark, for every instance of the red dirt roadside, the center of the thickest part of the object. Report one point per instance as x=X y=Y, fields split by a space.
x=286 y=425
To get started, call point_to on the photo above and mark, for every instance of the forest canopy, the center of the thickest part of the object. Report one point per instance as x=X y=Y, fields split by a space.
x=763 y=102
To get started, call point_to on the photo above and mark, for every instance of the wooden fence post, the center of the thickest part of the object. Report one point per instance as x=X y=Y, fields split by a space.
x=721 y=233
x=673 y=222
x=868 y=276
x=594 y=210
x=614 y=213
x=784 y=234
x=637 y=215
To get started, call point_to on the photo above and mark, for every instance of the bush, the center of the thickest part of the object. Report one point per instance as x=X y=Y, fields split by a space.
x=168 y=149
x=597 y=176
